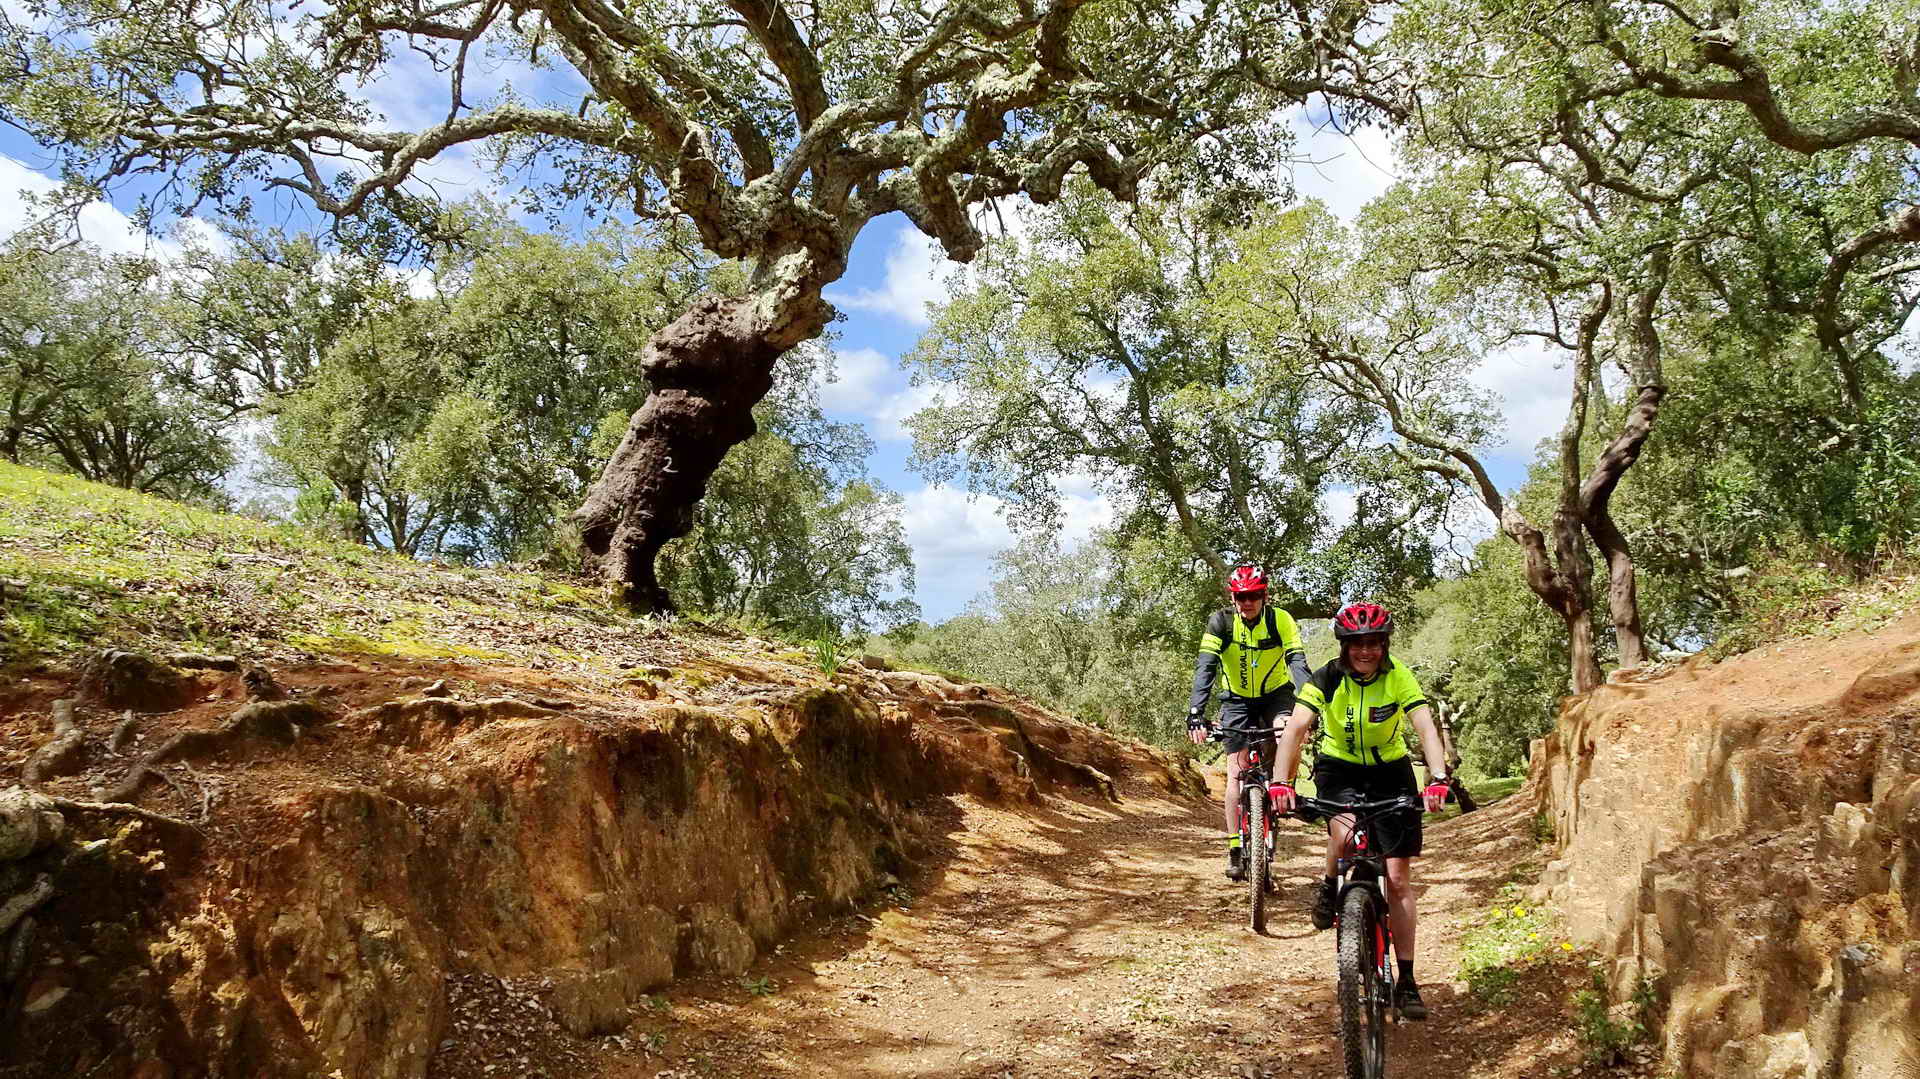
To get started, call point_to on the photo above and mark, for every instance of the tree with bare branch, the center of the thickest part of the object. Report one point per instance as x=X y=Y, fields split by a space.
x=779 y=130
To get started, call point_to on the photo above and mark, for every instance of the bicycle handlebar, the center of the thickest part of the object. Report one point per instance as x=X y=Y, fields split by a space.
x=1220 y=733
x=1323 y=808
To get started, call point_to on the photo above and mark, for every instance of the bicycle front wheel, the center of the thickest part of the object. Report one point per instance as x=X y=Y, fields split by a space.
x=1363 y=1013
x=1258 y=838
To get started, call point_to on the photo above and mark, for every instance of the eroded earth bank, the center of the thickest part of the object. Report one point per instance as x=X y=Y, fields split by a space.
x=329 y=853
x=1745 y=837
x=726 y=863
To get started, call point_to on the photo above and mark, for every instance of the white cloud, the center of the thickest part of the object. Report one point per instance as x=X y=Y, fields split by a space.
x=457 y=173
x=1083 y=508
x=100 y=224
x=1340 y=504
x=422 y=282
x=21 y=15
x=954 y=537
x=913 y=280
x=1532 y=383
x=889 y=419
x=859 y=382
x=1344 y=170
x=1906 y=347
x=870 y=386
x=947 y=524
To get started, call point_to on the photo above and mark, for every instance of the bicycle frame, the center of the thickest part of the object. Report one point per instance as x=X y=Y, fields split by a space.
x=1367 y=972
x=1257 y=822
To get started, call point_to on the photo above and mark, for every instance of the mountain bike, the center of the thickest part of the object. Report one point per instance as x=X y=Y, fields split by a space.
x=1257 y=821
x=1363 y=941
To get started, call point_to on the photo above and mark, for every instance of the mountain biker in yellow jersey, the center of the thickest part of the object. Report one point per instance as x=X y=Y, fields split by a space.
x=1365 y=699
x=1264 y=664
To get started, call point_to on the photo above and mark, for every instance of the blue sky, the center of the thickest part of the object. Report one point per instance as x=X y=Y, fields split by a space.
x=893 y=274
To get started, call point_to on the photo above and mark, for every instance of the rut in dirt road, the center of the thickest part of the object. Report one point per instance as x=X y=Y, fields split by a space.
x=1085 y=939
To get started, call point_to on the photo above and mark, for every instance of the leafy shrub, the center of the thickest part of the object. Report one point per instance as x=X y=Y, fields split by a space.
x=1608 y=1036
x=827 y=654
x=1510 y=936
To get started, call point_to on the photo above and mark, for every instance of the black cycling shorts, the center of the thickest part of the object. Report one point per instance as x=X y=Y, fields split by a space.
x=1395 y=835
x=1239 y=714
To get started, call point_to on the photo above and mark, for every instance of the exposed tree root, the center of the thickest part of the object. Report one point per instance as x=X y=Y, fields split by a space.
x=59 y=757
x=23 y=904
x=123 y=733
x=121 y=809
x=278 y=720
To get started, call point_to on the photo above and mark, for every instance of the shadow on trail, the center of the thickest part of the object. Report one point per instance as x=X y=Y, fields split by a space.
x=1079 y=938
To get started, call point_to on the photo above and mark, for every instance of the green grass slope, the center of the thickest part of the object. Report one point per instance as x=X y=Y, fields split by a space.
x=84 y=565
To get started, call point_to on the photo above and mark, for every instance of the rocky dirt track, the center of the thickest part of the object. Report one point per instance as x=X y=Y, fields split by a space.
x=1092 y=939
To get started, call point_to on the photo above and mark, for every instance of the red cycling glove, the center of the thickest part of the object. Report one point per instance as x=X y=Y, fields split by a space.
x=1281 y=796
x=1435 y=796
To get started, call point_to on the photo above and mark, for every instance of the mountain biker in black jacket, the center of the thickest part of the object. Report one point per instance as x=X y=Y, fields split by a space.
x=1260 y=654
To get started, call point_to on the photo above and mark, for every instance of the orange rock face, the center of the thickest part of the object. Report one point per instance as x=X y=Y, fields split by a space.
x=558 y=850
x=1747 y=835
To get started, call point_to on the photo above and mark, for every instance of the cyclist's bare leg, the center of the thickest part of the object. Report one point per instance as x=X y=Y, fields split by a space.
x=1236 y=763
x=1400 y=905
x=1337 y=831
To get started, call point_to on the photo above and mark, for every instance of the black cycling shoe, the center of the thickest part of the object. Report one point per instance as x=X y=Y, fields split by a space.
x=1406 y=997
x=1236 y=866
x=1323 y=902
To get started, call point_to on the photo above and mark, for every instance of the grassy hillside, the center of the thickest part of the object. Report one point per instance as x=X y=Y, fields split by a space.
x=85 y=565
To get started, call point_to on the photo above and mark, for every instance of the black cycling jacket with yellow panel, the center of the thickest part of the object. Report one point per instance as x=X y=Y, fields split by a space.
x=1257 y=660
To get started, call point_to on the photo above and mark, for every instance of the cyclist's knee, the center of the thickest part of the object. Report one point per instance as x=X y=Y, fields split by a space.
x=1400 y=875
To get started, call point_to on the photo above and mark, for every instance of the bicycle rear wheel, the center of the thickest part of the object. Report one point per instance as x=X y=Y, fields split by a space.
x=1255 y=855
x=1363 y=1018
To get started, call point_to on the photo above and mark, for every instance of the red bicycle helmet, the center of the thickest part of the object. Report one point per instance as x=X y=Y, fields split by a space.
x=1362 y=620
x=1246 y=579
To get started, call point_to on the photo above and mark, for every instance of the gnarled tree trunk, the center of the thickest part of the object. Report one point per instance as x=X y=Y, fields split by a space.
x=707 y=369
x=1596 y=494
x=1623 y=594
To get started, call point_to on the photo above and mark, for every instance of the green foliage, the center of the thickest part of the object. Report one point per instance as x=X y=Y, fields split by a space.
x=47 y=617
x=1497 y=654
x=759 y=987
x=1510 y=935
x=467 y=423
x=87 y=565
x=248 y=322
x=1802 y=592
x=1607 y=1032
x=827 y=654
x=1050 y=628
x=792 y=533
x=1541 y=827
x=1127 y=348
x=80 y=387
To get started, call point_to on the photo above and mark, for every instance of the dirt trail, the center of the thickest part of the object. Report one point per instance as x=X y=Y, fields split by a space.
x=1092 y=939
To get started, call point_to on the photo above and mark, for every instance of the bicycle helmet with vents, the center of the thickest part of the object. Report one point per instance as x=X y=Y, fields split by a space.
x=1246 y=579
x=1362 y=620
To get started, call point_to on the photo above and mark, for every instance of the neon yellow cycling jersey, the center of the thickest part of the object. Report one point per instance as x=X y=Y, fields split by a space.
x=1361 y=721
x=1254 y=657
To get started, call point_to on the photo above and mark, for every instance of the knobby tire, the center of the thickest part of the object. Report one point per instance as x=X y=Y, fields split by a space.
x=1255 y=853
x=1363 y=1020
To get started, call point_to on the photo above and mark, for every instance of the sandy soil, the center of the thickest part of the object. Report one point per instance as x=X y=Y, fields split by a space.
x=1092 y=939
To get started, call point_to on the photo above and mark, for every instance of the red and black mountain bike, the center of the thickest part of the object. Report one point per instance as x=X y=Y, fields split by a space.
x=1258 y=820
x=1363 y=939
